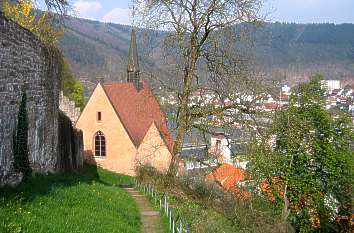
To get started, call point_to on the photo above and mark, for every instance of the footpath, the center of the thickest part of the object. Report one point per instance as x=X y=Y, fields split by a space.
x=150 y=218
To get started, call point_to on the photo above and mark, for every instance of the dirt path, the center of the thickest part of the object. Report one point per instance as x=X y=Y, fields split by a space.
x=150 y=219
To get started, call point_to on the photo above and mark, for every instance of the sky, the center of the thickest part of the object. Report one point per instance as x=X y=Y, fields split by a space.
x=298 y=11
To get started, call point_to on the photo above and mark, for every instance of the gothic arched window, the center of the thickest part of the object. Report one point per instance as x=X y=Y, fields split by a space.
x=100 y=144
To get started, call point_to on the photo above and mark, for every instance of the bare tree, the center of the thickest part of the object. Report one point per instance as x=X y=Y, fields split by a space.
x=58 y=6
x=201 y=49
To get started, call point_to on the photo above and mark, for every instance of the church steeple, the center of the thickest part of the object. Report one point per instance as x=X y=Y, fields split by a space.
x=133 y=70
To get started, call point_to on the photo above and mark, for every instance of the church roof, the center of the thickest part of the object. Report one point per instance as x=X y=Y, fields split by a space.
x=138 y=110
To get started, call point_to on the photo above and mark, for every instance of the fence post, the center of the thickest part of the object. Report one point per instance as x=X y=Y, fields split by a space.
x=170 y=218
x=173 y=224
x=180 y=226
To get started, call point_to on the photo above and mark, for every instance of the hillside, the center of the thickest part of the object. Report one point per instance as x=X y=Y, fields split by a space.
x=282 y=51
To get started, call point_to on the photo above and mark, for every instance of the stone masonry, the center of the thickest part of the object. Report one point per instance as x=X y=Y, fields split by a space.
x=68 y=107
x=27 y=64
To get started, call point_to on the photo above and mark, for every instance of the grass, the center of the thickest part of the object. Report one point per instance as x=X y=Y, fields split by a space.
x=201 y=219
x=85 y=202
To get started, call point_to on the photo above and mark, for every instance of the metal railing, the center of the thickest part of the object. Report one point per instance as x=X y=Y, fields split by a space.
x=176 y=221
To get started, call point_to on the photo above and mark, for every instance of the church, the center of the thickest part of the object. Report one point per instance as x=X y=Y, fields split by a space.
x=123 y=125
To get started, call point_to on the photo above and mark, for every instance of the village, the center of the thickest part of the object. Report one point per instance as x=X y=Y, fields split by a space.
x=204 y=146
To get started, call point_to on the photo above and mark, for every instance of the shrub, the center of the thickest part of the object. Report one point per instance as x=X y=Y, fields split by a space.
x=208 y=208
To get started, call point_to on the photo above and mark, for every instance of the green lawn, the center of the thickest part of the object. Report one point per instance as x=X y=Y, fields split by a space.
x=69 y=203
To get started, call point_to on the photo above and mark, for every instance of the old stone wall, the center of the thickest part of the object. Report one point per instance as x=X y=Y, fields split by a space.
x=71 y=155
x=68 y=107
x=27 y=64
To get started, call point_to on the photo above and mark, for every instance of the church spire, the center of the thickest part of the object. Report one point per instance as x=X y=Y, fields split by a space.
x=133 y=63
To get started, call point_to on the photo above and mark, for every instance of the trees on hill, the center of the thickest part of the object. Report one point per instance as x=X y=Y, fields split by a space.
x=313 y=157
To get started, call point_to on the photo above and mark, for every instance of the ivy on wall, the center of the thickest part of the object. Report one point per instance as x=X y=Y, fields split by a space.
x=20 y=150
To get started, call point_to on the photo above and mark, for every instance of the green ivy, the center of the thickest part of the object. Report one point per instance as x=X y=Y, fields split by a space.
x=20 y=143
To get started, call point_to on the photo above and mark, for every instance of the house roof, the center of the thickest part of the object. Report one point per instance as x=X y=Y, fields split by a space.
x=138 y=110
x=227 y=175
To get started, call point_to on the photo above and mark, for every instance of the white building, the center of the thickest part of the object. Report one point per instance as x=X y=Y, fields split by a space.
x=330 y=85
x=220 y=147
x=286 y=90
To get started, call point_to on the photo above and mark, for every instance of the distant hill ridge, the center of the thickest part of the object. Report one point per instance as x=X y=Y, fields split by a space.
x=289 y=51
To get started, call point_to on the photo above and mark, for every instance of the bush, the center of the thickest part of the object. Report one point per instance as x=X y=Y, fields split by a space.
x=208 y=208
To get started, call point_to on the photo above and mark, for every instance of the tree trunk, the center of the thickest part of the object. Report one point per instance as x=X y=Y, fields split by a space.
x=286 y=210
x=183 y=117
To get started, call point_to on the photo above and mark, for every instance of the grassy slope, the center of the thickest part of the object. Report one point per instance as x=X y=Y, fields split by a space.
x=200 y=218
x=69 y=202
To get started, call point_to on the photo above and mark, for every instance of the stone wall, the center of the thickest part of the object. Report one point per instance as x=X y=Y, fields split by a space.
x=71 y=154
x=26 y=63
x=68 y=107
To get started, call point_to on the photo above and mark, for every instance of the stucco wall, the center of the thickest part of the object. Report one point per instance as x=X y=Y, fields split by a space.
x=153 y=151
x=120 y=151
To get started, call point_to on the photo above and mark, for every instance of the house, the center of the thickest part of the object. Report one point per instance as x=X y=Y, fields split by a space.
x=123 y=124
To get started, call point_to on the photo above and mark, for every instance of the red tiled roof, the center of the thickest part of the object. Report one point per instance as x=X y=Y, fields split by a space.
x=227 y=175
x=271 y=106
x=138 y=110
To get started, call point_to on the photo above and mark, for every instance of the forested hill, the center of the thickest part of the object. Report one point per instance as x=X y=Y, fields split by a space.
x=283 y=51
x=286 y=44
